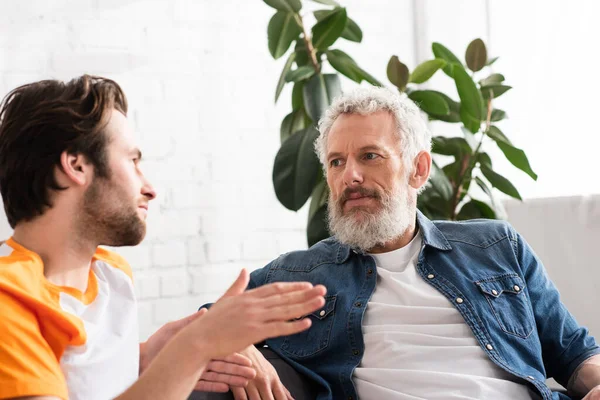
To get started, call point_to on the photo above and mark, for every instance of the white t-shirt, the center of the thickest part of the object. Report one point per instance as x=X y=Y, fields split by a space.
x=418 y=346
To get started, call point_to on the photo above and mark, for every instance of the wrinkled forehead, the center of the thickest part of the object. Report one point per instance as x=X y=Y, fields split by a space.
x=375 y=128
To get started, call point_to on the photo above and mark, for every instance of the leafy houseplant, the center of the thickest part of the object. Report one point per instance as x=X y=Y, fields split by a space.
x=297 y=173
x=449 y=195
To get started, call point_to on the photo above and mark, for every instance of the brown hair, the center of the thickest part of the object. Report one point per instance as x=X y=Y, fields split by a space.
x=41 y=120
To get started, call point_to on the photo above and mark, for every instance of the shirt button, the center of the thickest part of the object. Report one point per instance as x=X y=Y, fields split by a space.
x=355 y=352
x=489 y=347
x=495 y=292
x=459 y=300
x=517 y=288
x=531 y=378
x=358 y=304
x=369 y=271
x=350 y=398
x=322 y=313
x=430 y=276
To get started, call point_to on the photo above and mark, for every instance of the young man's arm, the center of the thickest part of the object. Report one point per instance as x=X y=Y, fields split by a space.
x=585 y=381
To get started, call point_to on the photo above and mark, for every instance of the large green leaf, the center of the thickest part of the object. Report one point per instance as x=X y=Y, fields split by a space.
x=329 y=29
x=494 y=90
x=282 y=31
x=351 y=32
x=316 y=230
x=328 y=2
x=475 y=209
x=440 y=183
x=500 y=182
x=516 y=156
x=440 y=51
x=451 y=146
x=285 y=5
x=498 y=115
x=299 y=74
x=302 y=57
x=397 y=73
x=296 y=169
x=471 y=123
x=344 y=64
x=453 y=115
x=425 y=70
x=493 y=79
x=430 y=101
x=319 y=92
x=476 y=55
x=470 y=97
x=286 y=69
x=293 y=122
x=496 y=205
x=319 y=197
x=297 y=95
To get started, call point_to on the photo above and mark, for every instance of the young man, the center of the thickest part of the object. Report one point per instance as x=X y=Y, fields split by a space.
x=417 y=309
x=70 y=180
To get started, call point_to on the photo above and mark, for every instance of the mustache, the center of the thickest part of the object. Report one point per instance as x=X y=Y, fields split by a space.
x=360 y=190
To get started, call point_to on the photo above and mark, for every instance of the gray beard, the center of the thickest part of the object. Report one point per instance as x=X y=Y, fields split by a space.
x=373 y=229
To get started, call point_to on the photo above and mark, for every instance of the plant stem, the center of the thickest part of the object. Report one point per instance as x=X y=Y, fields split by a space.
x=308 y=43
x=468 y=166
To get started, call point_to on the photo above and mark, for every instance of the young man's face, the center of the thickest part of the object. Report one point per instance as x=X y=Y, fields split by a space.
x=115 y=207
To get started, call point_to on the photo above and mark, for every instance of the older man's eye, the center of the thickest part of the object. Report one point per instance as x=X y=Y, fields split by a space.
x=371 y=156
x=335 y=163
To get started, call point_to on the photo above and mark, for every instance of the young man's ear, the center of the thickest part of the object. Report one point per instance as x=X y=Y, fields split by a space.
x=421 y=170
x=75 y=170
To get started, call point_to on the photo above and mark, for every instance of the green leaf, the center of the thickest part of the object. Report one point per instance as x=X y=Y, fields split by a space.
x=316 y=230
x=299 y=74
x=492 y=60
x=500 y=182
x=297 y=96
x=476 y=55
x=319 y=92
x=285 y=5
x=286 y=68
x=451 y=146
x=425 y=70
x=344 y=64
x=329 y=29
x=292 y=123
x=432 y=204
x=319 y=197
x=440 y=51
x=495 y=90
x=516 y=156
x=302 y=57
x=328 y=2
x=352 y=32
x=493 y=79
x=475 y=209
x=484 y=159
x=430 y=102
x=440 y=183
x=472 y=124
x=496 y=205
x=470 y=96
x=296 y=169
x=498 y=115
x=282 y=31
x=397 y=73
x=453 y=115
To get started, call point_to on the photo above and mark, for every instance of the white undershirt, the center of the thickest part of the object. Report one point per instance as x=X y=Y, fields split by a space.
x=418 y=346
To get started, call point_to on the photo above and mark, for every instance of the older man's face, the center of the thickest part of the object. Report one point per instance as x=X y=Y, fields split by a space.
x=370 y=199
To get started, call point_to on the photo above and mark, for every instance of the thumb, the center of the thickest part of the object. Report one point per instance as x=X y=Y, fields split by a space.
x=240 y=284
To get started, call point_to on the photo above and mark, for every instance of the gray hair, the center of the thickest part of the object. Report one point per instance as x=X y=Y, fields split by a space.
x=411 y=127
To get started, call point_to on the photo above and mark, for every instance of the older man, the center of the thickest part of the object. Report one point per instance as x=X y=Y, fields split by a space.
x=418 y=309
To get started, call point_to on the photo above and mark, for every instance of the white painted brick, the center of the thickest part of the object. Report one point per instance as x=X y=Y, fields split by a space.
x=147 y=285
x=188 y=195
x=196 y=251
x=291 y=241
x=220 y=248
x=104 y=62
x=145 y=319
x=171 y=309
x=137 y=256
x=216 y=278
x=172 y=223
x=169 y=254
x=174 y=283
x=259 y=245
x=92 y=34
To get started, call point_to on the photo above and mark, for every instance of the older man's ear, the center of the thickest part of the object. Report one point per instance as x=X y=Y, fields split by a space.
x=421 y=170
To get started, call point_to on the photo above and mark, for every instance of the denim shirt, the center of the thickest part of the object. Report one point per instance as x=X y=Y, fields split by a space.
x=484 y=268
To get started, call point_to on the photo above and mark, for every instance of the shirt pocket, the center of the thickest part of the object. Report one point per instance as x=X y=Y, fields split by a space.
x=508 y=302
x=316 y=338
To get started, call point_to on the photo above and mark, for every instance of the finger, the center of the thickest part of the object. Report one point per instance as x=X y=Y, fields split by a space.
x=239 y=393
x=179 y=324
x=240 y=284
x=294 y=297
x=216 y=387
x=275 y=329
x=252 y=392
x=278 y=288
x=237 y=358
x=228 y=380
x=230 y=369
x=287 y=312
x=279 y=391
x=288 y=394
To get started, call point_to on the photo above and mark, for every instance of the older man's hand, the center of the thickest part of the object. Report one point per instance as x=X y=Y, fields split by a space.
x=593 y=394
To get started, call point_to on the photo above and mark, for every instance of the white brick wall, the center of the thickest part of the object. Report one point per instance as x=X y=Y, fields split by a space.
x=200 y=82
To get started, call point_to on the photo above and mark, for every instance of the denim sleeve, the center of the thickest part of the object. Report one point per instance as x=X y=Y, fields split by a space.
x=565 y=343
